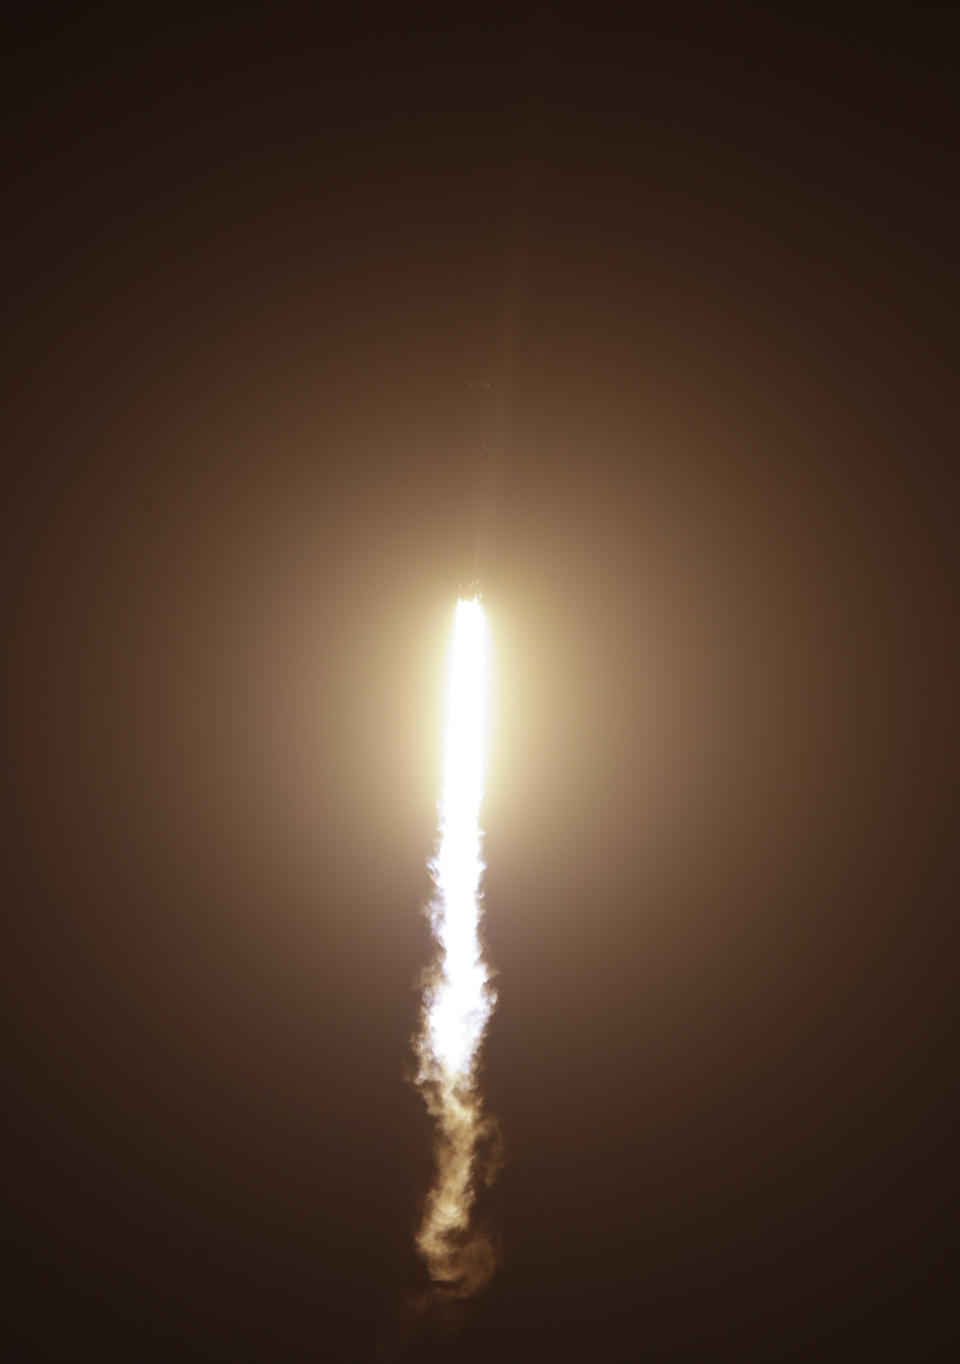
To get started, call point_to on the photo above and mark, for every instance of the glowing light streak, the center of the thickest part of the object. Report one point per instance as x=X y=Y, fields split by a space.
x=458 y=999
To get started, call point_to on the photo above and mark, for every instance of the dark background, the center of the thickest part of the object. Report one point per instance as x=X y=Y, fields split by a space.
x=251 y=269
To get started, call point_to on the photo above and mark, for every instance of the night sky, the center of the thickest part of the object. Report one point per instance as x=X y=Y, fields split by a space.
x=709 y=266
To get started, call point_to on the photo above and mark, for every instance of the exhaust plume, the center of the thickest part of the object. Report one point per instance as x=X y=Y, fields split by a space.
x=457 y=996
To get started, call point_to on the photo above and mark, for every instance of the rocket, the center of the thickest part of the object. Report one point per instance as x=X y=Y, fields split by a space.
x=481 y=391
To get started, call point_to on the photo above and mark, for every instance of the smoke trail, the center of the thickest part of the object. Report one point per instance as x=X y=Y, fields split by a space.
x=457 y=997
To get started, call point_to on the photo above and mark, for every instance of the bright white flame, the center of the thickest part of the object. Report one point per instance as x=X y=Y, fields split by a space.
x=458 y=999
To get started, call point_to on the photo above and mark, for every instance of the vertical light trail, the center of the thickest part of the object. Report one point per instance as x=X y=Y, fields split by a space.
x=457 y=998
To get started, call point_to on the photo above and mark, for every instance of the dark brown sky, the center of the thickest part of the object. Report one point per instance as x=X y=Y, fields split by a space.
x=251 y=271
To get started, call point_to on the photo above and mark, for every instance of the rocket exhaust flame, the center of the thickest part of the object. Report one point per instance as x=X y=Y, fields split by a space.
x=457 y=997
